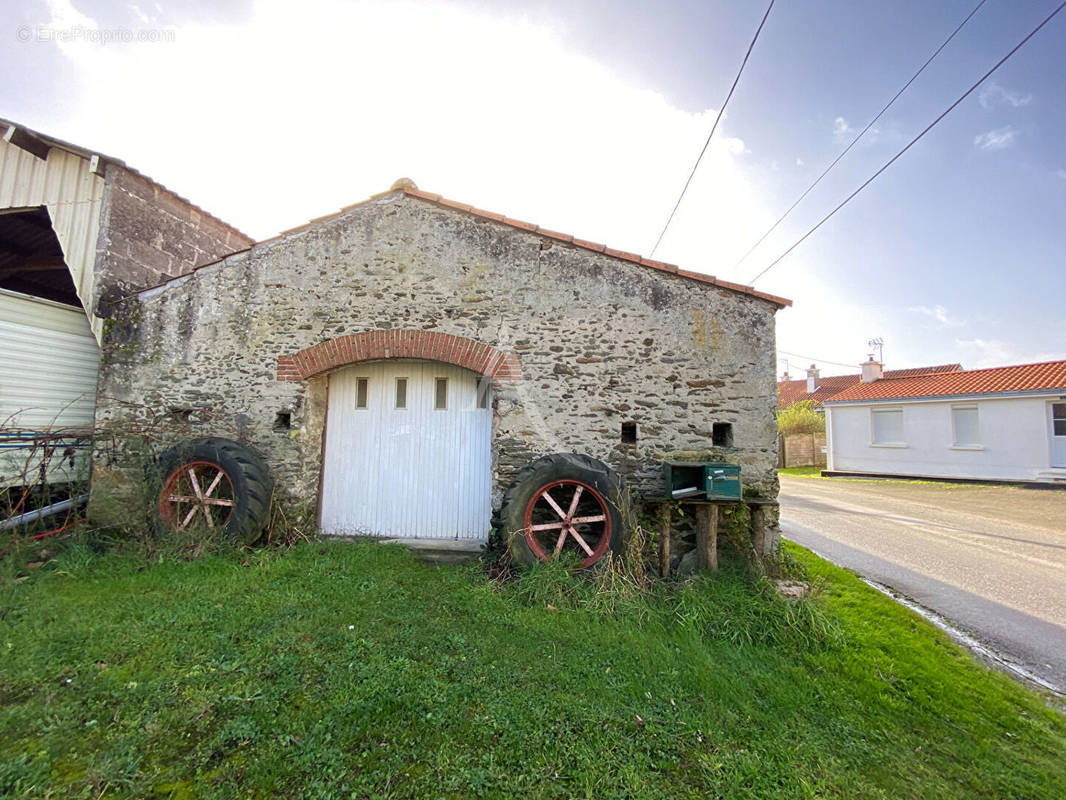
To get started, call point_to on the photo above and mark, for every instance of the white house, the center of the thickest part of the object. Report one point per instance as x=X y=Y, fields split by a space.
x=1006 y=423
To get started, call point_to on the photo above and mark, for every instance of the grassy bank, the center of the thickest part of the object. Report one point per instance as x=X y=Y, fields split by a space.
x=351 y=670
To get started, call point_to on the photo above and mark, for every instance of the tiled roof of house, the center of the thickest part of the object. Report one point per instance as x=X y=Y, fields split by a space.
x=789 y=392
x=1046 y=376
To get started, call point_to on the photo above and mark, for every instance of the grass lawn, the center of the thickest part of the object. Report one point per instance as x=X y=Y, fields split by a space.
x=802 y=472
x=351 y=670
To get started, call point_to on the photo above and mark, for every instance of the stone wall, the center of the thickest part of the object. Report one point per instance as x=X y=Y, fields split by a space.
x=600 y=342
x=149 y=234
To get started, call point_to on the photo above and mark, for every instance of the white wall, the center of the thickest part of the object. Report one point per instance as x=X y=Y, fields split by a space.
x=1014 y=436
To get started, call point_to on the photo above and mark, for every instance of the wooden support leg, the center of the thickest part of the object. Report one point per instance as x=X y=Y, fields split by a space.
x=758 y=531
x=712 y=538
x=707 y=537
x=664 y=541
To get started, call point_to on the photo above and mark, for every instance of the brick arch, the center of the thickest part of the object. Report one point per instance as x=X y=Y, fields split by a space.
x=424 y=345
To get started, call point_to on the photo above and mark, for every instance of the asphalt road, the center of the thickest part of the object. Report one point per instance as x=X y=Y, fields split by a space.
x=991 y=559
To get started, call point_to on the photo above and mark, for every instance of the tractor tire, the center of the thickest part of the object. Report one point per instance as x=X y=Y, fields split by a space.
x=213 y=484
x=563 y=503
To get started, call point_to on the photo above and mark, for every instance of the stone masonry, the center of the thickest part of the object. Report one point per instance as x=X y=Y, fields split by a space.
x=148 y=234
x=578 y=341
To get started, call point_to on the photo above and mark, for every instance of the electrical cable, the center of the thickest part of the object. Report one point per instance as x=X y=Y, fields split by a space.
x=818 y=360
x=714 y=127
x=862 y=133
x=912 y=142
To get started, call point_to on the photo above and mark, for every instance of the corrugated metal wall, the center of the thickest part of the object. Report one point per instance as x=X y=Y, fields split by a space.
x=74 y=199
x=48 y=367
x=418 y=471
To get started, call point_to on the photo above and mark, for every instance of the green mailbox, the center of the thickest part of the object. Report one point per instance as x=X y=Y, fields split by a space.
x=702 y=480
x=723 y=482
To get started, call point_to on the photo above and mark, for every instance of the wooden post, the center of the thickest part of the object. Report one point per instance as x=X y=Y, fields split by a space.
x=707 y=537
x=664 y=540
x=712 y=538
x=758 y=530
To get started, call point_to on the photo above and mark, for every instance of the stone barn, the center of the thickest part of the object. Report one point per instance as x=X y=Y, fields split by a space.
x=413 y=367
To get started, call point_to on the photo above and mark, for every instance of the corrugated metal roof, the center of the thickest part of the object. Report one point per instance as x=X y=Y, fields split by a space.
x=50 y=141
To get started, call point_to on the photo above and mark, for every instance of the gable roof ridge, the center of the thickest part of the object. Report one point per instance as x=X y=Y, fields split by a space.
x=437 y=199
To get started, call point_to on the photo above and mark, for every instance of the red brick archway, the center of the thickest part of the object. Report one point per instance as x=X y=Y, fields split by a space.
x=424 y=345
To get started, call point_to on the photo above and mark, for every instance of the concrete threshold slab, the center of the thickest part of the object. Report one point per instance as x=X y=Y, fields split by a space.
x=442 y=551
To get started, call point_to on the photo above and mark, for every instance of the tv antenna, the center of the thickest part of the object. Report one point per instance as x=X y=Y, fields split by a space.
x=877 y=344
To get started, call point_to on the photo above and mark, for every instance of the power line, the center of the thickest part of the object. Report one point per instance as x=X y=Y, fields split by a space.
x=714 y=127
x=928 y=128
x=862 y=133
x=817 y=360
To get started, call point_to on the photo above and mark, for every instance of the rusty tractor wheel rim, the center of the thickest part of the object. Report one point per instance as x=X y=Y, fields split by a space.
x=568 y=515
x=197 y=492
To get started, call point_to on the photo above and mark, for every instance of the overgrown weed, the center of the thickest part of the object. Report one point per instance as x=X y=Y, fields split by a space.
x=737 y=604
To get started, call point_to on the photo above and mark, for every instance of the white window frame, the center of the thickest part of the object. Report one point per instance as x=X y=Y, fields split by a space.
x=873 y=427
x=361 y=379
x=955 y=443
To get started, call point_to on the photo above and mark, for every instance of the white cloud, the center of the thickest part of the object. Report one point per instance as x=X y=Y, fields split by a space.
x=938 y=314
x=1061 y=173
x=64 y=15
x=303 y=109
x=799 y=162
x=842 y=130
x=980 y=353
x=997 y=139
x=993 y=94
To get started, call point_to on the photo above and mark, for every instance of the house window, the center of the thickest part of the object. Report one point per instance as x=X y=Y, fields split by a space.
x=1058 y=418
x=441 y=396
x=964 y=425
x=887 y=424
x=401 y=393
x=629 y=433
x=362 y=392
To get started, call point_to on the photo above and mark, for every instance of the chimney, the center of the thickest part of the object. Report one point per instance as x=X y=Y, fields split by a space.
x=812 y=379
x=785 y=376
x=871 y=371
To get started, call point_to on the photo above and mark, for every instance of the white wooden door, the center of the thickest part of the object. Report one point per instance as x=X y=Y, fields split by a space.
x=408 y=449
x=1058 y=434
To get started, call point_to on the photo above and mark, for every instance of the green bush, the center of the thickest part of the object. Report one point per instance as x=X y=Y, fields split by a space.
x=801 y=417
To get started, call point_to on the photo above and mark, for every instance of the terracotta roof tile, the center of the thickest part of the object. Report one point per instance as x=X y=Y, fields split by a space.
x=1045 y=376
x=789 y=392
x=566 y=237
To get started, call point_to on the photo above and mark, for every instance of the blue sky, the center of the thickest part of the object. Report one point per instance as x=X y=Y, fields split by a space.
x=587 y=116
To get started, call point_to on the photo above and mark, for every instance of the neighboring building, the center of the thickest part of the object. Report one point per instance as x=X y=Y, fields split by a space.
x=818 y=389
x=1006 y=423
x=399 y=363
x=78 y=230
